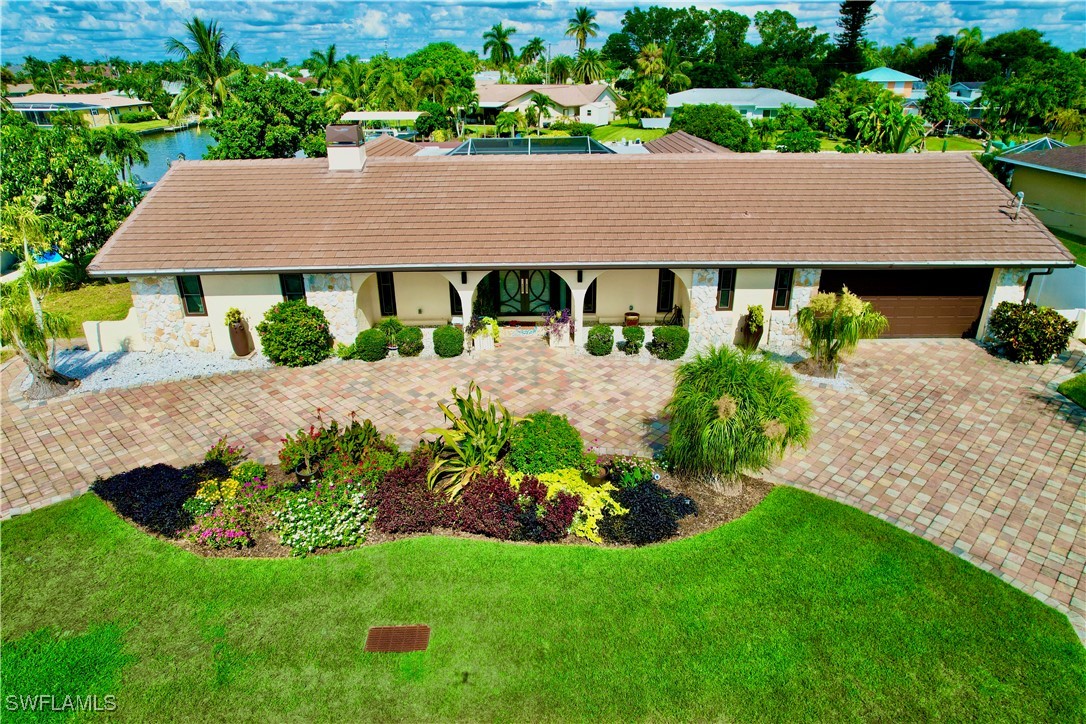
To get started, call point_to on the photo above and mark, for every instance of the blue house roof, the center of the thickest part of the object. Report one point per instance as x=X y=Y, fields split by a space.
x=885 y=75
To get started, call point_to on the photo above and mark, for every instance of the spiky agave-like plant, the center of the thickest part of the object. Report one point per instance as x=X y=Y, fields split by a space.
x=833 y=325
x=733 y=413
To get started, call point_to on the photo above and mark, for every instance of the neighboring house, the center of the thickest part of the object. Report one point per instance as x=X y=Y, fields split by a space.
x=1053 y=182
x=890 y=79
x=1043 y=143
x=750 y=102
x=586 y=103
x=364 y=236
x=967 y=92
x=18 y=90
x=98 y=109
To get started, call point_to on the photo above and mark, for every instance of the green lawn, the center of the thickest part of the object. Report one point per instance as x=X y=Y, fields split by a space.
x=98 y=301
x=804 y=609
x=629 y=129
x=1074 y=243
x=954 y=143
x=143 y=126
x=1075 y=388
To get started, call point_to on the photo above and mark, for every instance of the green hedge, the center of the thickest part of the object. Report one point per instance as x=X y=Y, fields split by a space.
x=370 y=345
x=295 y=334
x=409 y=340
x=635 y=337
x=545 y=442
x=669 y=342
x=1028 y=333
x=448 y=341
x=601 y=340
x=138 y=116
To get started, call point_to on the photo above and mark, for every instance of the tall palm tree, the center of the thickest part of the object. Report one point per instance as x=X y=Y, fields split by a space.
x=541 y=103
x=533 y=50
x=392 y=92
x=207 y=64
x=650 y=61
x=121 y=146
x=461 y=102
x=323 y=66
x=590 y=66
x=583 y=26
x=348 y=88
x=674 y=76
x=496 y=43
x=560 y=69
x=22 y=225
x=432 y=84
x=969 y=39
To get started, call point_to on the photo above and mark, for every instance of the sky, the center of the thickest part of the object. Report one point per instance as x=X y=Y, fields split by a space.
x=267 y=29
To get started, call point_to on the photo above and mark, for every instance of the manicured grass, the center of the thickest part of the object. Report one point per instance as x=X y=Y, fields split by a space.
x=146 y=125
x=803 y=610
x=953 y=143
x=98 y=302
x=1075 y=388
x=1074 y=243
x=629 y=130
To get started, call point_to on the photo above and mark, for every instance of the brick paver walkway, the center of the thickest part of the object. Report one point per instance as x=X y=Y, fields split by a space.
x=973 y=453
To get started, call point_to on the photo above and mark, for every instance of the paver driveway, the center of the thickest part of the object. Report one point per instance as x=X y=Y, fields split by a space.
x=976 y=454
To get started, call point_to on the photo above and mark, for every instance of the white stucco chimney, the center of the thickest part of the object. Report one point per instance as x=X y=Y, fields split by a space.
x=346 y=147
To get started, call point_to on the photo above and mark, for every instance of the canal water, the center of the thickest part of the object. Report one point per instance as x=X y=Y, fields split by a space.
x=163 y=148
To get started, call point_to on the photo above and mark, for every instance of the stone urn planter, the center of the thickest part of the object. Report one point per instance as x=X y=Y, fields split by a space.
x=632 y=319
x=239 y=333
x=482 y=343
x=748 y=336
x=558 y=335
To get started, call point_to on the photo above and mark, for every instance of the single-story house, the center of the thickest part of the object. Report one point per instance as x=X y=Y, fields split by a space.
x=930 y=239
x=98 y=109
x=891 y=80
x=1053 y=184
x=18 y=90
x=586 y=103
x=750 y=102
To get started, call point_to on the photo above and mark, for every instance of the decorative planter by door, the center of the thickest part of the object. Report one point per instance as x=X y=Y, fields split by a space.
x=746 y=337
x=239 y=339
x=559 y=337
x=632 y=319
x=482 y=343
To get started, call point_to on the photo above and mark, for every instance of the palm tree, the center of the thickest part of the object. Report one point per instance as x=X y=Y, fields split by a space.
x=348 y=88
x=590 y=66
x=432 y=84
x=323 y=66
x=582 y=26
x=647 y=100
x=461 y=102
x=674 y=76
x=541 y=104
x=1066 y=120
x=533 y=51
x=506 y=121
x=121 y=146
x=496 y=42
x=207 y=64
x=561 y=68
x=969 y=39
x=392 y=92
x=650 y=61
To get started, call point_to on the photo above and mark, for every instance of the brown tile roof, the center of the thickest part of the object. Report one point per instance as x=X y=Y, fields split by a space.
x=390 y=146
x=683 y=142
x=577 y=211
x=1070 y=159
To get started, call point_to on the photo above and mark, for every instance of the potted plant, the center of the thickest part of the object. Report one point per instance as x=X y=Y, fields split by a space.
x=391 y=326
x=559 y=323
x=752 y=326
x=306 y=472
x=632 y=318
x=484 y=333
x=239 y=335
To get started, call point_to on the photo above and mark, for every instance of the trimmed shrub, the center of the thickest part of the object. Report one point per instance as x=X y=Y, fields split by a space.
x=248 y=471
x=448 y=341
x=370 y=345
x=1028 y=333
x=404 y=502
x=669 y=342
x=542 y=519
x=594 y=500
x=544 y=442
x=574 y=128
x=488 y=505
x=138 y=116
x=409 y=340
x=733 y=413
x=601 y=340
x=295 y=334
x=653 y=514
x=634 y=337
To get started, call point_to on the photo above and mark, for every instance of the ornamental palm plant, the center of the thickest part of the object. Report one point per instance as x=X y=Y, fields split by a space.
x=590 y=66
x=121 y=146
x=506 y=121
x=833 y=325
x=733 y=413
x=541 y=103
x=478 y=437
x=560 y=69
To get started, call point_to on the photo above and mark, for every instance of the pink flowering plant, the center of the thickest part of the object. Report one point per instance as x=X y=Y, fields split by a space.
x=227 y=526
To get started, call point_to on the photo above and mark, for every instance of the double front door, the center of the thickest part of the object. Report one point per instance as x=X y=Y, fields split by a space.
x=524 y=291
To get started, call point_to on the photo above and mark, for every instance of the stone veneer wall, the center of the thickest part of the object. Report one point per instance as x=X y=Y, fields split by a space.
x=163 y=321
x=711 y=327
x=333 y=293
x=1008 y=285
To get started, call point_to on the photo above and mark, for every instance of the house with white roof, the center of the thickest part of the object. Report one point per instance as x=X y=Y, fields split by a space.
x=750 y=102
x=98 y=109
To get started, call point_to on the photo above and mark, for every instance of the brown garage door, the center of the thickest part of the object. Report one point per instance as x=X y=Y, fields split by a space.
x=919 y=303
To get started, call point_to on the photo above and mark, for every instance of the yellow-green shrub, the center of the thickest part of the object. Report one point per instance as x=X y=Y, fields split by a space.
x=595 y=499
x=216 y=491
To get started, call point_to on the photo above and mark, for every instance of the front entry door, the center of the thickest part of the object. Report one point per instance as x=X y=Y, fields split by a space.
x=524 y=292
